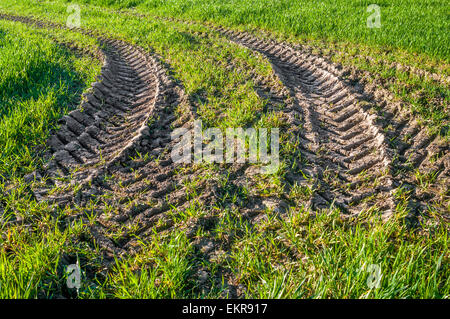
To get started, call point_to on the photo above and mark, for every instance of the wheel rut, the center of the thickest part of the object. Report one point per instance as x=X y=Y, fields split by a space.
x=339 y=137
x=359 y=144
x=112 y=119
x=369 y=153
x=353 y=140
x=113 y=151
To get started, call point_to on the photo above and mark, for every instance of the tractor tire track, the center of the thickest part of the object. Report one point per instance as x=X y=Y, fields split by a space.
x=96 y=167
x=359 y=132
x=339 y=136
x=130 y=110
x=341 y=133
x=112 y=119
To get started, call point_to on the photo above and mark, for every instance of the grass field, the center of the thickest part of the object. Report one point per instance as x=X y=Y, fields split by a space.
x=358 y=207
x=420 y=27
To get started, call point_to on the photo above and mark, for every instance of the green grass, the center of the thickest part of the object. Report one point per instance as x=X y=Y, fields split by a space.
x=40 y=81
x=30 y=256
x=303 y=256
x=161 y=270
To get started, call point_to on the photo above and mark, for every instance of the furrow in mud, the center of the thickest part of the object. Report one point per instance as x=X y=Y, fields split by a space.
x=114 y=150
x=341 y=134
x=353 y=133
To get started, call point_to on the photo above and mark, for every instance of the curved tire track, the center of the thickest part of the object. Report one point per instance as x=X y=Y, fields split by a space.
x=340 y=120
x=352 y=133
x=338 y=131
